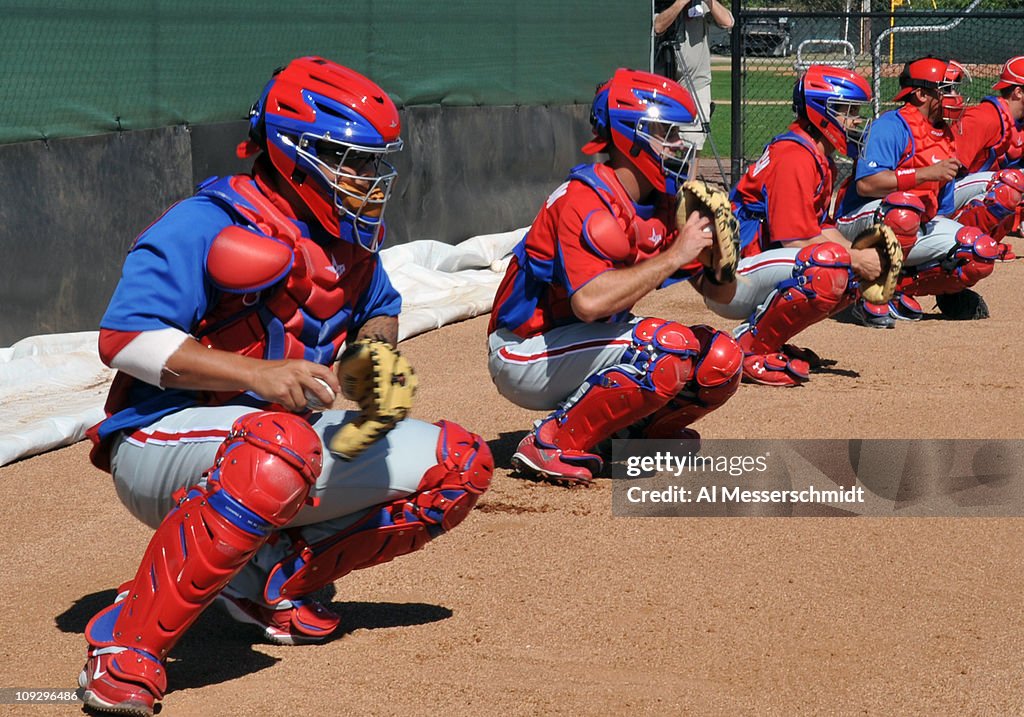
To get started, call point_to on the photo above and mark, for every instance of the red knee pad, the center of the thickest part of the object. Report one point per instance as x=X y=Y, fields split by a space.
x=715 y=379
x=972 y=260
x=719 y=368
x=268 y=463
x=902 y=212
x=825 y=273
x=464 y=460
x=673 y=347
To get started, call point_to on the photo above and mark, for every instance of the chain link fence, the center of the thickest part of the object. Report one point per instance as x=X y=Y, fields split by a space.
x=759 y=61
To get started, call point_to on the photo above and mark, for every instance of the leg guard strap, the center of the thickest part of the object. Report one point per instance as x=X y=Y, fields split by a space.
x=447 y=493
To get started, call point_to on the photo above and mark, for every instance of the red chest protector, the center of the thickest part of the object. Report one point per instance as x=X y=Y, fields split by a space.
x=283 y=295
x=928 y=145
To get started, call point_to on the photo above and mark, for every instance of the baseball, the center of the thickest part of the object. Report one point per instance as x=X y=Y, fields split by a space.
x=313 y=402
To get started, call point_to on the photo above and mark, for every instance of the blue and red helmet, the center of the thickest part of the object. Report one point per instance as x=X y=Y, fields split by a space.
x=831 y=99
x=327 y=130
x=652 y=120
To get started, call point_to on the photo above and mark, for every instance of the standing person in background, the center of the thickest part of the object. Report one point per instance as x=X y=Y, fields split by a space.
x=683 y=26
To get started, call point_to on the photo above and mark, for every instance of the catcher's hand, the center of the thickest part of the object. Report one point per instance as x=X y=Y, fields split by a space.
x=881 y=238
x=698 y=196
x=382 y=382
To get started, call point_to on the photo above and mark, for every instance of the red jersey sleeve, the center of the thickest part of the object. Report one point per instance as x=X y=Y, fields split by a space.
x=792 y=195
x=578 y=261
x=977 y=130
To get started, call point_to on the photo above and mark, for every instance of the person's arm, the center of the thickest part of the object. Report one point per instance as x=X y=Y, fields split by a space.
x=284 y=382
x=617 y=290
x=882 y=183
x=664 y=19
x=720 y=14
x=380 y=328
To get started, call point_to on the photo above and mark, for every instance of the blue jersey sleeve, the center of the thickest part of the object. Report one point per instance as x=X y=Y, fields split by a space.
x=379 y=299
x=887 y=144
x=163 y=281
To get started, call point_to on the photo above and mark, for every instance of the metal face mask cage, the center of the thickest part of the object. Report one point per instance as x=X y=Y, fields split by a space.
x=840 y=111
x=359 y=179
x=668 y=142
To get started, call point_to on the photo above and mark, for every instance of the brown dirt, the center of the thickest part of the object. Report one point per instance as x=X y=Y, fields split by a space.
x=541 y=603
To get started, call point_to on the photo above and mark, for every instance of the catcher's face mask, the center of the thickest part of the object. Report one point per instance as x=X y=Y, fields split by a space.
x=850 y=117
x=360 y=179
x=672 y=144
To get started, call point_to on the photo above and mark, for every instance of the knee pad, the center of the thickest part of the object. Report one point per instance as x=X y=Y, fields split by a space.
x=259 y=481
x=664 y=353
x=821 y=276
x=968 y=262
x=654 y=368
x=716 y=377
x=902 y=212
x=446 y=494
x=267 y=463
x=997 y=212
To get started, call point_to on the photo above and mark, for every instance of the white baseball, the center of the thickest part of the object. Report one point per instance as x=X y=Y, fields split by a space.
x=313 y=402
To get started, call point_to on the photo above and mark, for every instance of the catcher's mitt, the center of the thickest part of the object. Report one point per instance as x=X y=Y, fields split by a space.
x=698 y=196
x=883 y=239
x=382 y=382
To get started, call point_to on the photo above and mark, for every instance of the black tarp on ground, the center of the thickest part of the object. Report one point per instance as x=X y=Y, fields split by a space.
x=70 y=209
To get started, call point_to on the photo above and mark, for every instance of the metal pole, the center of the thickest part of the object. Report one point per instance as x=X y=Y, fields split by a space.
x=736 y=108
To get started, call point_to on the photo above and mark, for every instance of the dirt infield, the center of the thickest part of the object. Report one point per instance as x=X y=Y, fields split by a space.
x=542 y=604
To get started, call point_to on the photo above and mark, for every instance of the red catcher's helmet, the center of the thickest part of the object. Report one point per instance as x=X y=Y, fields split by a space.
x=652 y=120
x=327 y=130
x=1012 y=74
x=926 y=72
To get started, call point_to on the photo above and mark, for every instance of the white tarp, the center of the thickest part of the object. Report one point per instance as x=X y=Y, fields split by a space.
x=52 y=387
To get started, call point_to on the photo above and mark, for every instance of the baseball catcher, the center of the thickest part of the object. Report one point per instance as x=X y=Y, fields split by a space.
x=230 y=310
x=562 y=335
x=907 y=175
x=795 y=268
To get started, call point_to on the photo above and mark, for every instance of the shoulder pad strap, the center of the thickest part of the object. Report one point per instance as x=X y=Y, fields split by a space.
x=793 y=137
x=244 y=200
x=242 y=261
x=600 y=178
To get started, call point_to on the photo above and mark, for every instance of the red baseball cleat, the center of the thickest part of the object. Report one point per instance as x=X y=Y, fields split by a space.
x=293 y=622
